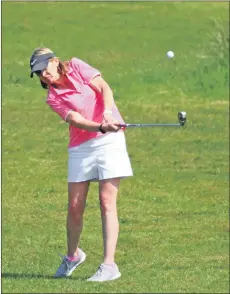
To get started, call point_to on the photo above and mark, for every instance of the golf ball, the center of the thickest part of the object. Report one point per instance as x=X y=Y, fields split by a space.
x=170 y=54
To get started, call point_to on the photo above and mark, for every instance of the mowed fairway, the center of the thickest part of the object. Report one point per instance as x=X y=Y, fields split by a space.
x=173 y=214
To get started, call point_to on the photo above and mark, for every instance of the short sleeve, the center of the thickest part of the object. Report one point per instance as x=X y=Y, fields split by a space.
x=58 y=106
x=86 y=71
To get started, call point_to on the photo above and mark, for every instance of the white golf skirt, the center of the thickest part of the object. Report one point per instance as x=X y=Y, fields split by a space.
x=98 y=159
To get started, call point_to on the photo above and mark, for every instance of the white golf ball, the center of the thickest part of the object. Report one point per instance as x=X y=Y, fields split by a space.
x=170 y=54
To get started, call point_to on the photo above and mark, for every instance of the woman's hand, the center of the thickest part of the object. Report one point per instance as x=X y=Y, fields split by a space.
x=109 y=123
x=110 y=126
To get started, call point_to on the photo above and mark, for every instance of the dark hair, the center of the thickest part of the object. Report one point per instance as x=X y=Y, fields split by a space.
x=44 y=85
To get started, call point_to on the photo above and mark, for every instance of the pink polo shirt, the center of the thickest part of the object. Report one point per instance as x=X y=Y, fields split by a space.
x=83 y=99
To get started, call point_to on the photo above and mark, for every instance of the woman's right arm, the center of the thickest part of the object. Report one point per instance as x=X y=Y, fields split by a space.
x=75 y=119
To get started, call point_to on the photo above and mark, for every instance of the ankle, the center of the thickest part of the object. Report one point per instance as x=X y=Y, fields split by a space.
x=112 y=264
x=72 y=257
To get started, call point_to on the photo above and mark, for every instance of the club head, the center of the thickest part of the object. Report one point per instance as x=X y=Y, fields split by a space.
x=182 y=117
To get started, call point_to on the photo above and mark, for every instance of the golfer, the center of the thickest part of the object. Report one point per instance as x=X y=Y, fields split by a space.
x=96 y=151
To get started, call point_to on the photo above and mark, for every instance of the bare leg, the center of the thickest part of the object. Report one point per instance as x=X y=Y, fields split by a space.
x=108 y=190
x=76 y=206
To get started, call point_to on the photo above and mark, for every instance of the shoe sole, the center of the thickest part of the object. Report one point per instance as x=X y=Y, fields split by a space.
x=114 y=278
x=80 y=262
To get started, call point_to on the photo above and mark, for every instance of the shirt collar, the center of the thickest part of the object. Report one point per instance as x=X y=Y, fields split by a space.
x=70 y=70
x=64 y=91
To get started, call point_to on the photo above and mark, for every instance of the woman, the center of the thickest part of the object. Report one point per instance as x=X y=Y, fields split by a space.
x=97 y=151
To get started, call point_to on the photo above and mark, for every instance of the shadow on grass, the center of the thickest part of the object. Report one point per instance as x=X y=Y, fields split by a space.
x=37 y=276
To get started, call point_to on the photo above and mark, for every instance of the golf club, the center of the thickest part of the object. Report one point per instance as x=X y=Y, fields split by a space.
x=181 y=118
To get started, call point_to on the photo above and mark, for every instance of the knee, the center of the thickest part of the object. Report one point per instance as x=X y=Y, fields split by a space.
x=107 y=204
x=75 y=210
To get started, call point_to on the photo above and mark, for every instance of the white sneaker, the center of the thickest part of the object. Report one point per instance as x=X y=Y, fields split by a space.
x=67 y=267
x=105 y=273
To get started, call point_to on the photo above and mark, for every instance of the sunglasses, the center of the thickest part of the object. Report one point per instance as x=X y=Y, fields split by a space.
x=38 y=72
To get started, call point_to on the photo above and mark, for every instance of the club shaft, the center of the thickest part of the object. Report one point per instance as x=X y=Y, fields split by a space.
x=149 y=125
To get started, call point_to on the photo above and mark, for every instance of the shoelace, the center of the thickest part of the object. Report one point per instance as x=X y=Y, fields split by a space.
x=99 y=271
x=64 y=260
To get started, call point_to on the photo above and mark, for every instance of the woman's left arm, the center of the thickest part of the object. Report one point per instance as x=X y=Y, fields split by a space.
x=100 y=86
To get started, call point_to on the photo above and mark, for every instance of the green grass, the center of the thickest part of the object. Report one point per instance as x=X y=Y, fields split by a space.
x=174 y=226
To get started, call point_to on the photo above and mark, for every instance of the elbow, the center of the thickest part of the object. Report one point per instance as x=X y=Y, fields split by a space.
x=72 y=118
x=75 y=119
x=69 y=118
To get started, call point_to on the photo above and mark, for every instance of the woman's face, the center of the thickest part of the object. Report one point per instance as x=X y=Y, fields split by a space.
x=50 y=75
